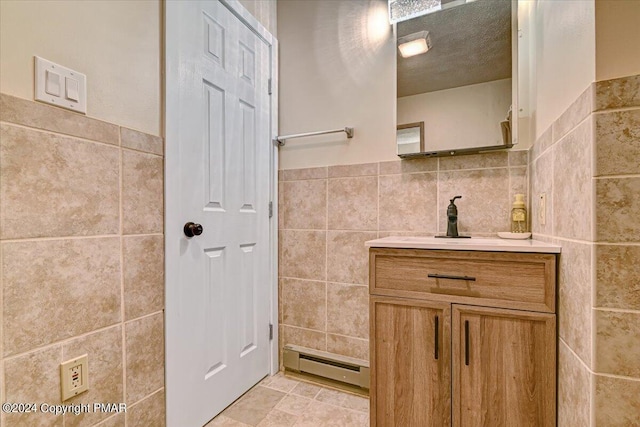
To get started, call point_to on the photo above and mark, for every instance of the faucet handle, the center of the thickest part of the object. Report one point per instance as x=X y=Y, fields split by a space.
x=454 y=199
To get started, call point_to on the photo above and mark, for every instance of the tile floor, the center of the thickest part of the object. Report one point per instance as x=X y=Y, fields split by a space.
x=280 y=401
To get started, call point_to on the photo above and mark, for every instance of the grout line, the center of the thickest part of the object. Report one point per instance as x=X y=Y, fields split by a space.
x=122 y=293
x=106 y=420
x=564 y=239
x=584 y=242
x=64 y=135
x=310 y=400
x=302 y=179
x=413 y=172
x=593 y=290
x=299 y=279
x=618 y=377
x=616 y=110
x=60 y=343
x=320 y=230
x=134 y=150
x=51 y=108
x=362 y=285
x=97 y=236
x=617 y=310
x=581 y=362
x=592 y=399
x=326 y=332
x=575 y=355
x=617 y=243
x=632 y=175
x=155 y=313
x=64 y=416
x=593 y=167
x=438 y=231
x=145 y=397
x=567 y=133
x=449 y=170
x=378 y=200
x=366 y=175
x=326 y=264
x=350 y=337
x=551 y=218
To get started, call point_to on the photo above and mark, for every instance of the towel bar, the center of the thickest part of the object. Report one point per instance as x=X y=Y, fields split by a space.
x=279 y=140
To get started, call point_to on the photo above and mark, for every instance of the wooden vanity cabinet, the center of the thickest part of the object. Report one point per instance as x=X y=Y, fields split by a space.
x=438 y=359
x=410 y=363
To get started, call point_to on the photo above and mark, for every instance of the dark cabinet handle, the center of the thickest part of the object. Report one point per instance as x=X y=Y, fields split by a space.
x=447 y=276
x=436 y=346
x=466 y=342
x=192 y=229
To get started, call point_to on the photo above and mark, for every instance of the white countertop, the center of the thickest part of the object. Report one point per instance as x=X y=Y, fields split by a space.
x=472 y=244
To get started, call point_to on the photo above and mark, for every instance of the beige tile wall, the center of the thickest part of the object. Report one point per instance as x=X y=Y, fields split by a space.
x=617 y=253
x=326 y=215
x=561 y=167
x=81 y=263
x=588 y=165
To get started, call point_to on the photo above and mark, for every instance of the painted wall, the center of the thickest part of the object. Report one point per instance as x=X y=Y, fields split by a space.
x=117 y=44
x=617 y=38
x=463 y=117
x=564 y=64
x=337 y=69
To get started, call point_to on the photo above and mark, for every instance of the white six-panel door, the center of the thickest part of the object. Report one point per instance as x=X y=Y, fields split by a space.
x=217 y=305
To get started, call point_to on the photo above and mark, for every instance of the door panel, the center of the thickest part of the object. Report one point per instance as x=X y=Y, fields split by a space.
x=410 y=384
x=503 y=367
x=214 y=146
x=214 y=337
x=218 y=341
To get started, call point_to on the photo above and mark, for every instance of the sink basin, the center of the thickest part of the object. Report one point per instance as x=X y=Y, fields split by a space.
x=472 y=244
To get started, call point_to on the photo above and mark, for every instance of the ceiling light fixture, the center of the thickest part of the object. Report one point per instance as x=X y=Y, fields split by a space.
x=401 y=10
x=414 y=44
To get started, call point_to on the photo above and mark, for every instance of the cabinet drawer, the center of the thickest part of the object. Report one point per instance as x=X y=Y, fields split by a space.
x=500 y=279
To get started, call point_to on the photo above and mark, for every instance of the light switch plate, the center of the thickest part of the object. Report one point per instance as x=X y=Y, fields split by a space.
x=66 y=74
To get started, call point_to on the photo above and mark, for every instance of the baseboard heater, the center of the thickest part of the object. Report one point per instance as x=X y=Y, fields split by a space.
x=327 y=365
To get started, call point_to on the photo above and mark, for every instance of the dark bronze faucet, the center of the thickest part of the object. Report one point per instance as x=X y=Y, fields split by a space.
x=452 y=220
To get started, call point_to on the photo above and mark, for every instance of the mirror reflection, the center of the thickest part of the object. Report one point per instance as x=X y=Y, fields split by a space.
x=455 y=75
x=410 y=138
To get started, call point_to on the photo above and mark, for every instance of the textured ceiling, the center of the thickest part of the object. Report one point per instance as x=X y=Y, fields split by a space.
x=471 y=44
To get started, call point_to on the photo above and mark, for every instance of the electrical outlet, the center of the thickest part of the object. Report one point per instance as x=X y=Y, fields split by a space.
x=74 y=376
x=542 y=208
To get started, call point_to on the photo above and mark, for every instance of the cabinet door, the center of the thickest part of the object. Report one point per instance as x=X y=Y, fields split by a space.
x=504 y=368
x=410 y=363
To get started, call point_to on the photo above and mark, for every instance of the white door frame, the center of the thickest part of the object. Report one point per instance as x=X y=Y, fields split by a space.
x=173 y=230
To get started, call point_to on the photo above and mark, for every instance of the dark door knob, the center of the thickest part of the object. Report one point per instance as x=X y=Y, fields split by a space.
x=192 y=229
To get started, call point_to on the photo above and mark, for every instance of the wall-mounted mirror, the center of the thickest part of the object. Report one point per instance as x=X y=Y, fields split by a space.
x=461 y=87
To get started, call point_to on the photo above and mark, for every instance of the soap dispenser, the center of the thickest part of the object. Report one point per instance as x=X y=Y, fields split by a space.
x=519 y=215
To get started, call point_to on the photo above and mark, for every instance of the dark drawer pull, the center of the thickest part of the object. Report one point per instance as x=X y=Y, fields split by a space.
x=436 y=346
x=466 y=342
x=446 y=276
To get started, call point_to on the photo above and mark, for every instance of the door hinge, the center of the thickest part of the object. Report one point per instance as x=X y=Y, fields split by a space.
x=270 y=331
x=270 y=209
x=269 y=86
